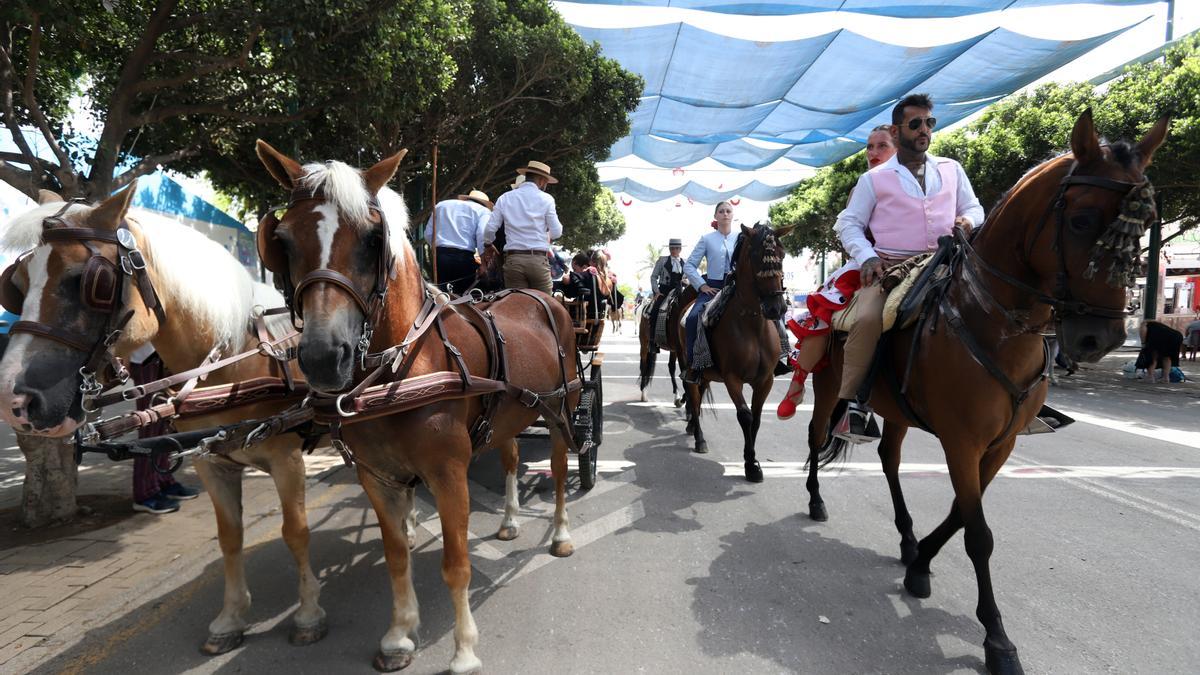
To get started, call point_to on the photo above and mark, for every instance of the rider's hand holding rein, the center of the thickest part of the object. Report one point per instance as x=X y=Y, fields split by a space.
x=872 y=271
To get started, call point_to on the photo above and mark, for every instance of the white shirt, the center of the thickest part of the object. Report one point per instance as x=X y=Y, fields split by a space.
x=529 y=218
x=460 y=224
x=718 y=250
x=852 y=222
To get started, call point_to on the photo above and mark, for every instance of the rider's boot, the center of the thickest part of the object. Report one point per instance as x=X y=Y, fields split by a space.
x=858 y=424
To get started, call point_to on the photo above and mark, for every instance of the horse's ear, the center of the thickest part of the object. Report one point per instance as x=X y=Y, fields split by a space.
x=379 y=175
x=746 y=231
x=784 y=231
x=282 y=168
x=1085 y=145
x=46 y=197
x=108 y=213
x=1153 y=139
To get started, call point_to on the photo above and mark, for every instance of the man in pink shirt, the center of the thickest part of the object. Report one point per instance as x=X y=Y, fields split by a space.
x=897 y=210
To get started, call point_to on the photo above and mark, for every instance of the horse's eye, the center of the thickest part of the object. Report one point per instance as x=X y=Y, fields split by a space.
x=1084 y=221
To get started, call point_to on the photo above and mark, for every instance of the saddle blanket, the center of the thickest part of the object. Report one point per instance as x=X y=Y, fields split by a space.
x=904 y=276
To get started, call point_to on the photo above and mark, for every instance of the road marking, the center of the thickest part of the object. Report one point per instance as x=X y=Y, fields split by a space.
x=912 y=469
x=707 y=406
x=1190 y=439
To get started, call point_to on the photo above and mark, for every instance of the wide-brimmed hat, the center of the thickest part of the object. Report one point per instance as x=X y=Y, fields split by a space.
x=539 y=169
x=517 y=183
x=675 y=242
x=477 y=196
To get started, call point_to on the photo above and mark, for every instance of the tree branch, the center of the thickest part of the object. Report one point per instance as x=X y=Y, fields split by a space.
x=31 y=104
x=149 y=164
x=221 y=111
x=215 y=65
x=20 y=179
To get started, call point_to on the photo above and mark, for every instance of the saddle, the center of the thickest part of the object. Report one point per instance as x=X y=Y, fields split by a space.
x=666 y=307
x=908 y=284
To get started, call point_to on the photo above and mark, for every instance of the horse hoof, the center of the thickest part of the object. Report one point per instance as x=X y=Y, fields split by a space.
x=307 y=635
x=908 y=553
x=221 y=644
x=386 y=662
x=678 y=402
x=562 y=549
x=816 y=511
x=643 y=398
x=917 y=584
x=701 y=448
x=1002 y=661
x=508 y=533
x=754 y=472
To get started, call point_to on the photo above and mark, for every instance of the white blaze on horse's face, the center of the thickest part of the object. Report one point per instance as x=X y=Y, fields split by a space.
x=327 y=226
x=16 y=356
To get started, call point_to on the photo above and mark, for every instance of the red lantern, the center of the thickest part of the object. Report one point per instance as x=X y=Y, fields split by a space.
x=677 y=171
x=735 y=201
x=626 y=201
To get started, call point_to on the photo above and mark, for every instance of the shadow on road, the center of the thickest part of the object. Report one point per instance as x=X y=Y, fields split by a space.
x=766 y=592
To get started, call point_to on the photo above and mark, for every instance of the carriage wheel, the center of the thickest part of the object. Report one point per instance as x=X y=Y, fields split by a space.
x=583 y=437
x=597 y=406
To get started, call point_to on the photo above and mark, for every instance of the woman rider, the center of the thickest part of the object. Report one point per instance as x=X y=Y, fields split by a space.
x=812 y=331
x=717 y=248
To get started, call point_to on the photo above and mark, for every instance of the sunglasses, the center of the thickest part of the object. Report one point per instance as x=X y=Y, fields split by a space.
x=915 y=123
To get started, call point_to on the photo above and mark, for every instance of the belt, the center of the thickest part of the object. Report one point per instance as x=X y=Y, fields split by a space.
x=516 y=251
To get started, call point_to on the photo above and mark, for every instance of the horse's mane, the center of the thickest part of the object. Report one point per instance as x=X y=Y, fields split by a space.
x=197 y=275
x=344 y=188
x=25 y=231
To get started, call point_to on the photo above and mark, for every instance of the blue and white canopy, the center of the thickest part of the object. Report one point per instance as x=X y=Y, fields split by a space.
x=790 y=84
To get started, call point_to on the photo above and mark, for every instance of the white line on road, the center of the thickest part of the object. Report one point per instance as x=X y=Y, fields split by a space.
x=769 y=405
x=1190 y=439
x=855 y=469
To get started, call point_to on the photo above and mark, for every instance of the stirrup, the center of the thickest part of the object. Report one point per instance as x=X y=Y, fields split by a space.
x=857 y=425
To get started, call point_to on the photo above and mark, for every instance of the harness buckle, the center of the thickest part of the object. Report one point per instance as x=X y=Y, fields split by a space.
x=344 y=450
x=133 y=393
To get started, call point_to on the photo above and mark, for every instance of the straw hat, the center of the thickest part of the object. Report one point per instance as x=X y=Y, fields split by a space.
x=477 y=196
x=539 y=169
x=675 y=242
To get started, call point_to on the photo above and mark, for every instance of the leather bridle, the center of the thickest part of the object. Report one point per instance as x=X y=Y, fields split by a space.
x=371 y=306
x=102 y=293
x=1062 y=301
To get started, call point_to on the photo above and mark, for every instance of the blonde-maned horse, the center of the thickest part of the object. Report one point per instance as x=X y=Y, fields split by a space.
x=334 y=227
x=207 y=298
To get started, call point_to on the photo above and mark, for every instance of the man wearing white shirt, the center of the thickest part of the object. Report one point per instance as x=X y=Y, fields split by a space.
x=897 y=210
x=530 y=223
x=460 y=226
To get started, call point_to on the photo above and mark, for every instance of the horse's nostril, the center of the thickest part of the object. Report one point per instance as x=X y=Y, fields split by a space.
x=1089 y=344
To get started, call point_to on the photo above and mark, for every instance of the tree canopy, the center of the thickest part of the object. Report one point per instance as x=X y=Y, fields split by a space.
x=190 y=84
x=1018 y=133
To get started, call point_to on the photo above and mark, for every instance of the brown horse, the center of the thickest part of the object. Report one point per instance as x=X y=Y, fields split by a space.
x=647 y=358
x=744 y=343
x=1061 y=246
x=207 y=299
x=334 y=230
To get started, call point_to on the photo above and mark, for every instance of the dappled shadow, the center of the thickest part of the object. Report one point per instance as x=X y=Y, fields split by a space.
x=168 y=629
x=766 y=593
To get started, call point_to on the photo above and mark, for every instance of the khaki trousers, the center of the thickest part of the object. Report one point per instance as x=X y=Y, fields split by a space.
x=862 y=340
x=522 y=270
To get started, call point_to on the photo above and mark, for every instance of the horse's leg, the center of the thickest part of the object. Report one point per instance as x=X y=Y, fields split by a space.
x=560 y=543
x=392 y=507
x=825 y=385
x=695 y=396
x=889 y=456
x=224 y=487
x=510 y=458
x=449 y=485
x=916 y=576
x=678 y=400
x=758 y=398
x=287 y=470
x=999 y=652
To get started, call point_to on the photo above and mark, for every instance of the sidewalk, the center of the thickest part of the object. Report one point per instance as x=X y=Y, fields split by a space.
x=57 y=584
x=1106 y=376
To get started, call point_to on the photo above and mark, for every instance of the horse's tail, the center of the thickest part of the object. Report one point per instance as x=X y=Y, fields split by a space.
x=834 y=448
x=647 y=368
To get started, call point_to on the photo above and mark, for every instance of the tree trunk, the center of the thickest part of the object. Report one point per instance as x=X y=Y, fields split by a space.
x=51 y=478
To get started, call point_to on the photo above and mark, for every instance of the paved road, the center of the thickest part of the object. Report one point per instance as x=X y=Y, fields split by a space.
x=682 y=566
